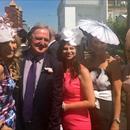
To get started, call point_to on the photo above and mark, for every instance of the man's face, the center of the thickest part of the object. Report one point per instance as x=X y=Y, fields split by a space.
x=40 y=40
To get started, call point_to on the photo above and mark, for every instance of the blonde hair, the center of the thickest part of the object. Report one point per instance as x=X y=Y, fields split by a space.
x=14 y=67
x=13 y=63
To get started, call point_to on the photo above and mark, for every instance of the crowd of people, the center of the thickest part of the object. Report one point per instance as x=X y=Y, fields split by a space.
x=47 y=85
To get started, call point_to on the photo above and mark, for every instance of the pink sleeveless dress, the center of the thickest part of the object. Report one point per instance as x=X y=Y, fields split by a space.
x=74 y=119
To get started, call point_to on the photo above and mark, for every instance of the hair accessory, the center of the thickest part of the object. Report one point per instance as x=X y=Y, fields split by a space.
x=6 y=31
x=99 y=30
x=73 y=36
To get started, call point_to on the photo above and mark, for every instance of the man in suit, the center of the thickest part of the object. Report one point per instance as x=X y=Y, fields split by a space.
x=54 y=44
x=39 y=107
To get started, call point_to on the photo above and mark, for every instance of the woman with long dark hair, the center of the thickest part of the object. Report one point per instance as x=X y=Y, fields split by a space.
x=78 y=95
x=105 y=72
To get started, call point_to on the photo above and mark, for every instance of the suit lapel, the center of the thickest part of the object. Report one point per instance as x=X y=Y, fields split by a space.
x=44 y=74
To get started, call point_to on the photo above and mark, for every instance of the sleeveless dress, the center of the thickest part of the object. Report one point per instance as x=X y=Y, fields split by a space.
x=7 y=103
x=74 y=119
x=102 y=115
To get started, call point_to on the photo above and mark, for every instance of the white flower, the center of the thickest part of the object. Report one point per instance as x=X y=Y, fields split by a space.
x=48 y=69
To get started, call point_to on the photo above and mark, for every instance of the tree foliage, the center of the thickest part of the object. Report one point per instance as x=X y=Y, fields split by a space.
x=119 y=26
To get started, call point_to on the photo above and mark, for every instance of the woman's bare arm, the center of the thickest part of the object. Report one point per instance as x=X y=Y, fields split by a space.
x=87 y=91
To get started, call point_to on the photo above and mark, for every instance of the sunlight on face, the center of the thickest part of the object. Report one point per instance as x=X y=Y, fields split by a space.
x=8 y=49
x=11 y=49
x=69 y=52
x=40 y=40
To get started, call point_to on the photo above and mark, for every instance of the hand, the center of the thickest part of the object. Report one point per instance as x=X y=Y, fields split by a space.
x=126 y=85
x=5 y=127
x=114 y=126
x=64 y=106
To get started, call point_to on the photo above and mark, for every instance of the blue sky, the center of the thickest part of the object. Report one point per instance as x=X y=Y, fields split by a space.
x=36 y=11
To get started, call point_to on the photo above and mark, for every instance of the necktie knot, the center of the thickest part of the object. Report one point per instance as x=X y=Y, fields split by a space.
x=36 y=58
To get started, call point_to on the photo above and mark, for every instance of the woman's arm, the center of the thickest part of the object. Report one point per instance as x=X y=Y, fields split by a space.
x=87 y=91
x=115 y=71
x=2 y=125
x=1 y=72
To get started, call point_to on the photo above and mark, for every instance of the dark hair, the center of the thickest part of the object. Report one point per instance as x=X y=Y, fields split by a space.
x=34 y=28
x=57 y=37
x=23 y=35
x=74 y=63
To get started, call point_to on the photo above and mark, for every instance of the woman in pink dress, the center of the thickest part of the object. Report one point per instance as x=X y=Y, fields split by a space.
x=78 y=94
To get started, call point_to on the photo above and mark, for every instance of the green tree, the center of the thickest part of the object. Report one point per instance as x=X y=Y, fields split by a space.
x=119 y=26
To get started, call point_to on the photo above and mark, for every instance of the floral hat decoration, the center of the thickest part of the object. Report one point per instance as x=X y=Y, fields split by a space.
x=73 y=36
x=6 y=31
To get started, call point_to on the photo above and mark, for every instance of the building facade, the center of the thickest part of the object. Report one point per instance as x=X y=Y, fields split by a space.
x=71 y=11
x=14 y=14
x=117 y=8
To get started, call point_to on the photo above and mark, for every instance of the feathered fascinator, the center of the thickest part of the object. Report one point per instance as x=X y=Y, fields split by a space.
x=73 y=36
x=6 y=31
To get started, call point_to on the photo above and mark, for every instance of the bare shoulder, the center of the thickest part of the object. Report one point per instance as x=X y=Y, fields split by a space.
x=114 y=65
x=84 y=71
x=83 y=68
x=114 y=69
x=1 y=68
x=1 y=71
